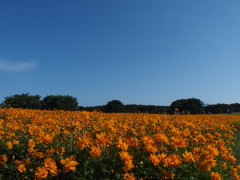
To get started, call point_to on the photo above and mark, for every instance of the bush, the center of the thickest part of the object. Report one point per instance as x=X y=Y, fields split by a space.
x=115 y=106
x=191 y=105
x=24 y=101
x=60 y=102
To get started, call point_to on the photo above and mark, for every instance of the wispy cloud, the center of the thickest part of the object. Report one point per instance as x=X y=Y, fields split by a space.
x=10 y=66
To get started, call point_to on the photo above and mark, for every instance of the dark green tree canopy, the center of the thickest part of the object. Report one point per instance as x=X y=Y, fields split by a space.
x=115 y=106
x=24 y=101
x=60 y=102
x=191 y=105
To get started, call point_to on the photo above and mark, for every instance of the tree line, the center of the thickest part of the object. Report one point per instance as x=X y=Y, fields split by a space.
x=67 y=102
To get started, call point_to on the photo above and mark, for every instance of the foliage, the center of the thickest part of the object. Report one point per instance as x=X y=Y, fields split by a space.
x=191 y=105
x=60 y=102
x=24 y=101
x=222 y=108
x=115 y=106
x=133 y=108
x=60 y=144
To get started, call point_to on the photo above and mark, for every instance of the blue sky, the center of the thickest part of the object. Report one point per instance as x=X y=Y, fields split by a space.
x=139 y=52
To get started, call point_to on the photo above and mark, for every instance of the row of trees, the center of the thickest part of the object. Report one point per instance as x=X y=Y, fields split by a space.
x=50 y=102
x=117 y=106
x=66 y=102
x=222 y=108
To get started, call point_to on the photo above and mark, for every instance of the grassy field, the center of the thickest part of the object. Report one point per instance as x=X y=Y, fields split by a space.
x=235 y=113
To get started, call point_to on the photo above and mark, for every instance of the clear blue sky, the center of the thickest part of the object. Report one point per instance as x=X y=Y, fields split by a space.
x=139 y=52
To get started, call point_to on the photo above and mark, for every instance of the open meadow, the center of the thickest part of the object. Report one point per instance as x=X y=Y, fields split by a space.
x=39 y=144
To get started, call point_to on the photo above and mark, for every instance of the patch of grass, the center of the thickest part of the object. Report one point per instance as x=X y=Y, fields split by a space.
x=236 y=147
x=235 y=113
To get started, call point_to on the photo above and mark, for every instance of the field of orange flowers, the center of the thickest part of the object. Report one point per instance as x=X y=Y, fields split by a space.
x=38 y=144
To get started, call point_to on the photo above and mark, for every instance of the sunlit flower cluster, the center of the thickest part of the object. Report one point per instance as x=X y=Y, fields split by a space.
x=39 y=144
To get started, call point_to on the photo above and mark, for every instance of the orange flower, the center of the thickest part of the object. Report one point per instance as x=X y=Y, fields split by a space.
x=154 y=159
x=122 y=145
x=50 y=165
x=95 y=151
x=31 y=143
x=102 y=139
x=69 y=164
x=174 y=161
x=207 y=164
x=188 y=157
x=15 y=142
x=40 y=173
x=3 y=159
x=127 y=176
x=47 y=139
x=224 y=165
x=21 y=168
x=83 y=142
x=168 y=175
x=161 y=138
x=9 y=144
x=238 y=168
x=151 y=148
x=215 y=176
x=127 y=160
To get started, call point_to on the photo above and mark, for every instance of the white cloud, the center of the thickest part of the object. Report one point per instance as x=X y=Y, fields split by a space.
x=11 y=66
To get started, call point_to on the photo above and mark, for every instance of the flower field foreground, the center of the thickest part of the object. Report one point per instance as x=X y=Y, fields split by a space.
x=38 y=144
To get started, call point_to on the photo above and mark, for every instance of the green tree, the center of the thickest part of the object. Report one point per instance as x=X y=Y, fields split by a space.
x=191 y=105
x=24 y=101
x=115 y=106
x=60 y=102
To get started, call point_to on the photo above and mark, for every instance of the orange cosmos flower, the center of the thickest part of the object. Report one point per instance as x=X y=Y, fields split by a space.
x=127 y=160
x=31 y=143
x=127 y=176
x=69 y=164
x=47 y=138
x=122 y=145
x=3 y=159
x=238 y=168
x=188 y=157
x=207 y=164
x=224 y=165
x=83 y=142
x=168 y=175
x=102 y=139
x=215 y=176
x=174 y=160
x=154 y=159
x=21 y=168
x=9 y=144
x=40 y=173
x=95 y=151
x=15 y=142
x=159 y=137
x=50 y=165
x=151 y=148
